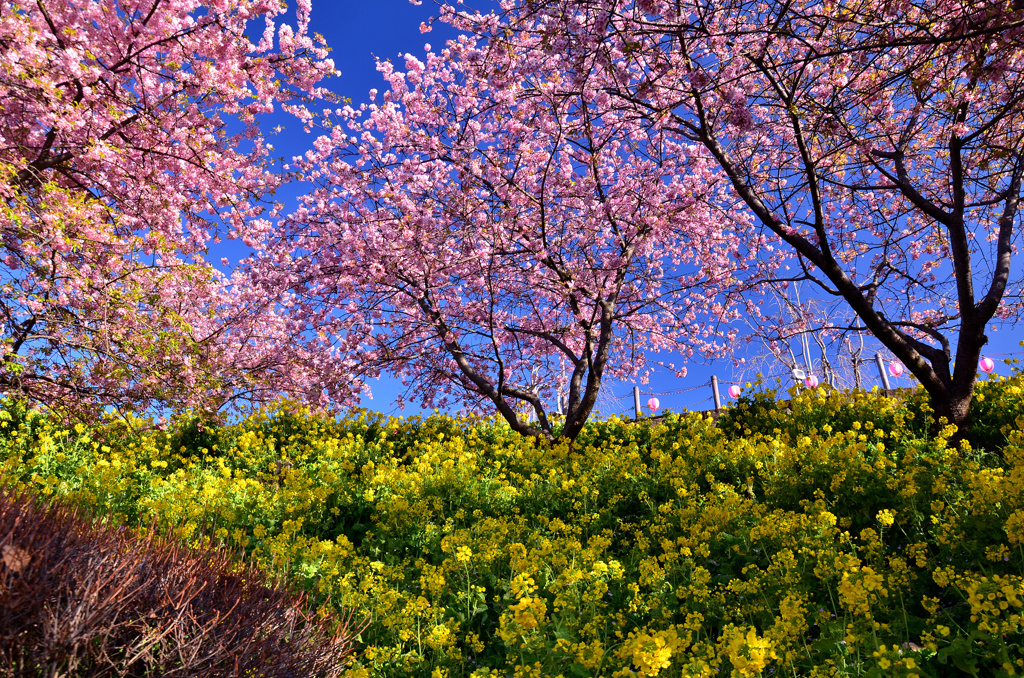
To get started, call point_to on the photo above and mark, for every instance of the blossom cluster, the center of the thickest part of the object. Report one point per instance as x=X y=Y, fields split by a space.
x=830 y=534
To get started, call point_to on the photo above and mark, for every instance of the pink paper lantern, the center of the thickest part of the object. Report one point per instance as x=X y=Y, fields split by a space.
x=895 y=368
x=811 y=381
x=653 y=403
x=734 y=391
x=986 y=365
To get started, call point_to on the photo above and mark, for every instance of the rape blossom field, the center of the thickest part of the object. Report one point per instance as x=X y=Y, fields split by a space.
x=833 y=534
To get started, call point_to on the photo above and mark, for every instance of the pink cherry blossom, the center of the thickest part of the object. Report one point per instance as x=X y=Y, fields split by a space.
x=128 y=144
x=495 y=237
x=877 y=146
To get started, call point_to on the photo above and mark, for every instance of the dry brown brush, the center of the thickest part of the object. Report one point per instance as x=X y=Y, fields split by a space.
x=88 y=599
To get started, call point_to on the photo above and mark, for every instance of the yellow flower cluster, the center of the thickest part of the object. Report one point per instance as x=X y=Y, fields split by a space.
x=833 y=534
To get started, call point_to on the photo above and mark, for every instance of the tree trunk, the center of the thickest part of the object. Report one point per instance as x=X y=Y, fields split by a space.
x=954 y=405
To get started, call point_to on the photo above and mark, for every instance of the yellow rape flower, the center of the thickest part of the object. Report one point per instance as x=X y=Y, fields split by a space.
x=651 y=654
x=886 y=517
x=439 y=636
x=748 y=653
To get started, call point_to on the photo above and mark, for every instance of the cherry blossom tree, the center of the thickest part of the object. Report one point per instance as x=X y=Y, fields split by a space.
x=879 y=143
x=495 y=232
x=128 y=144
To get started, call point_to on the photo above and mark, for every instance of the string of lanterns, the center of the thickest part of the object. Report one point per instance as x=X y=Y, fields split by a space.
x=895 y=368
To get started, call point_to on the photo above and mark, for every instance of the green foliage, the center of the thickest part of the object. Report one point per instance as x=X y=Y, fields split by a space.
x=830 y=533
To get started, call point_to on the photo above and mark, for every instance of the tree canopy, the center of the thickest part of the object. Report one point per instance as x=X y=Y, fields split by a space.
x=496 y=232
x=554 y=196
x=129 y=142
x=879 y=144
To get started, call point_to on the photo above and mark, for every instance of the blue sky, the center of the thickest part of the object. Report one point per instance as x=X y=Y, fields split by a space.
x=360 y=30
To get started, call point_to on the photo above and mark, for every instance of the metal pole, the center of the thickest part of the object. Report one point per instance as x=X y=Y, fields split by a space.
x=804 y=346
x=881 y=371
x=636 y=403
x=714 y=390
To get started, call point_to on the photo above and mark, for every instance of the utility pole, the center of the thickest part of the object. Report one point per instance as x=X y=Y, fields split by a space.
x=881 y=371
